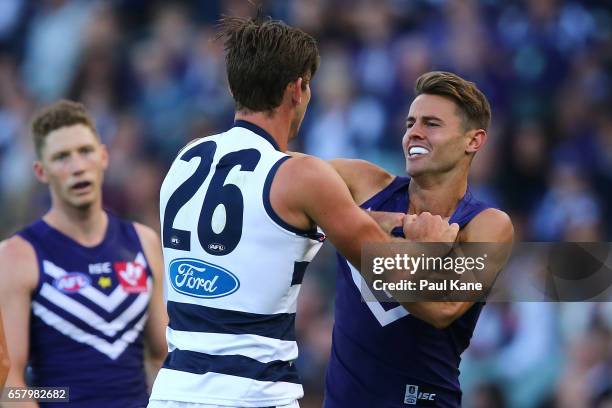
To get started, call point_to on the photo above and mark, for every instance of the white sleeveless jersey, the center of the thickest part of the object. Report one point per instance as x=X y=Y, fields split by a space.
x=233 y=273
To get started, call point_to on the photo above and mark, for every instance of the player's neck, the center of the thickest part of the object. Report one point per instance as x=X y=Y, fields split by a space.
x=85 y=226
x=276 y=124
x=437 y=194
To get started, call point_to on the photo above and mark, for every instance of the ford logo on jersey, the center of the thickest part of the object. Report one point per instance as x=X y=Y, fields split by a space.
x=201 y=279
x=72 y=282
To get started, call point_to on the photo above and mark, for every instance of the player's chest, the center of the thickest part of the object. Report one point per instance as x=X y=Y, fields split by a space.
x=105 y=276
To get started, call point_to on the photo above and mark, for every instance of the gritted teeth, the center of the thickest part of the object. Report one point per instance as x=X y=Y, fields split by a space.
x=417 y=151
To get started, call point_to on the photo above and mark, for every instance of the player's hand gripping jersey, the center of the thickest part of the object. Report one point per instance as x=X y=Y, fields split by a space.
x=382 y=356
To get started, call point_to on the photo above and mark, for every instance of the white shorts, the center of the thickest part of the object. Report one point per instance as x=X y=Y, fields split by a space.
x=180 y=404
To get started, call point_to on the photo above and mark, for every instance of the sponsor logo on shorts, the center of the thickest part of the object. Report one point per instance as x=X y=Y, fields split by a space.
x=197 y=278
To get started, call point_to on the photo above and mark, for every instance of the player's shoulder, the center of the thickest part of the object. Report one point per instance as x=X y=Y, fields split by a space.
x=364 y=179
x=359 y=167
x=146 y=234
x=304 y=179
x=490 y=225
x=305 y=169
x=493 y=217
x=17 y=254
x=151 y=244
x=188 y=145
x=16 y=249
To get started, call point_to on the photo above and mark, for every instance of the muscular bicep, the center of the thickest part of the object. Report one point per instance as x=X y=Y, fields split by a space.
x=322 y=195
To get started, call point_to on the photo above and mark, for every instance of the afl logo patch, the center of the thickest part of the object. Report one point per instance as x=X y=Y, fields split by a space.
x=72 y=282
x=216 y=247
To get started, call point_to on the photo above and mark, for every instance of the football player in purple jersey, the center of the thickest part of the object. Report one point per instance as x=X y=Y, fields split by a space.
x=396 y=354
x=81 y=288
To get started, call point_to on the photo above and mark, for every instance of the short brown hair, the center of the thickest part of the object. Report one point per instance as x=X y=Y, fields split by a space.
x=58 y=115
x=472 y=103
x=263 y=56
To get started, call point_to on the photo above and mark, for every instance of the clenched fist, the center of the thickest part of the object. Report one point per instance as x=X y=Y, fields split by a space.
x=427 y=227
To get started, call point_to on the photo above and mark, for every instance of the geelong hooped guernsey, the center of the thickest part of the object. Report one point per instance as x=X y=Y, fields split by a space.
x=233 y=271
x=88 y=313
x=381 y=355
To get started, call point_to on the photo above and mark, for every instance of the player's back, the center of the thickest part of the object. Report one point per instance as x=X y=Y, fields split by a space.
x=233 y=271
x=88 y=313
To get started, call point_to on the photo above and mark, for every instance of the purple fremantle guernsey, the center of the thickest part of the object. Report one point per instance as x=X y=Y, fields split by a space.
x=383 y=357
x=88 y=313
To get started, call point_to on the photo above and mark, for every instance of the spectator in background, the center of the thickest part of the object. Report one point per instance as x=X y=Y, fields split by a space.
x=569 y=210
x=53 y=45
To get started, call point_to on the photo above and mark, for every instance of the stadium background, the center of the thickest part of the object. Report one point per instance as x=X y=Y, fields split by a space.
x=154 y=79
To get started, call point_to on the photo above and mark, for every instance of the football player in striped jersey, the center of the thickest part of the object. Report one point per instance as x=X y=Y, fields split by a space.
x=81 y=288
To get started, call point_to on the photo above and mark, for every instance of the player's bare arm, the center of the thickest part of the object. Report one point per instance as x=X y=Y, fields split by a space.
x=363 y=180
x=155 y=329
x=5 y=364
x=18 y=279
x=491 y=225
x=387 y=220
x=307 y=191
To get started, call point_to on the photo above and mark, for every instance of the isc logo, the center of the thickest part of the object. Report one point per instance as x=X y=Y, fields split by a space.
x=413 y=395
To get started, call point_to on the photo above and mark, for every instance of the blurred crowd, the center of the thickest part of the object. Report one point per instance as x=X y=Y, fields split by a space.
x=154 y=78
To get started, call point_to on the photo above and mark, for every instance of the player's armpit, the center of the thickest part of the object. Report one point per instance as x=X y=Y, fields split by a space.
x=18 y=279
x=155 y=329
x=491 y=225
x=362 y=178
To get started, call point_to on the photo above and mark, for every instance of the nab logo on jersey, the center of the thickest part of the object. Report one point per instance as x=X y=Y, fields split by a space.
x=201 y=279
x=72 y=282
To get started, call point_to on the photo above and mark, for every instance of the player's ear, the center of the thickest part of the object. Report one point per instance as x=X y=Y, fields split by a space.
x=39 y=172
x=104 y=156
x=476 y=140
x=296 y=90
